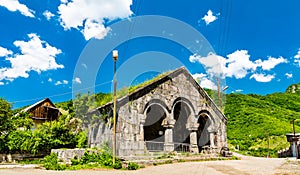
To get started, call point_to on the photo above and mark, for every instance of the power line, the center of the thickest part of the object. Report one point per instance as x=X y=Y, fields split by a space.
x=62 y=94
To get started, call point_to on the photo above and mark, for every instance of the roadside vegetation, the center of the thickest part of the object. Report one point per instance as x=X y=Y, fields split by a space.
x=18 y=135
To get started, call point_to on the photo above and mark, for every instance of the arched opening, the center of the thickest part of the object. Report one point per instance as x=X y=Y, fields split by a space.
x=153 y=130
x=181 y=135
x=202 y=133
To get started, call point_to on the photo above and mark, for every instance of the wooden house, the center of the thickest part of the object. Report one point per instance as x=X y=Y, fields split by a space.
x=42 y=111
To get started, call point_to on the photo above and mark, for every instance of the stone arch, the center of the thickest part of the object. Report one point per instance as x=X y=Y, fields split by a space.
x=186 y=101
x=184 y=114
x=157 y=102
x=206 y=128
x=154 y=114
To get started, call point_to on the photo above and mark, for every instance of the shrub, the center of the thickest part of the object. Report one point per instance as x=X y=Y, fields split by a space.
x=81 y=139
x=51 y=162
x=132 y=166
x=118 y=165
x=168 y=162
x=106 y=159
x=75 y=161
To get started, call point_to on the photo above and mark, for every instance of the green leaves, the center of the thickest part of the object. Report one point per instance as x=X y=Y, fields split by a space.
x=51 y=163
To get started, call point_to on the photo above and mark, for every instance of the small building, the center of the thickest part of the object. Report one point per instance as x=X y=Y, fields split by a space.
x=171 y=113
x=42 y=111
x=294 y=149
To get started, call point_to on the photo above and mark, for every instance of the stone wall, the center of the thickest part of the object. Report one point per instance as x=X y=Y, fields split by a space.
x=288 y=152
x=16 y=157
x=67 y=154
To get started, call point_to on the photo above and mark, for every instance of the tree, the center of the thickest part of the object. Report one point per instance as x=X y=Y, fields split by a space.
x=6 y=125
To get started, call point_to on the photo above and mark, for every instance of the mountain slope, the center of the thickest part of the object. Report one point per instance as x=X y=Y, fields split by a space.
x=294 y=88
x=252 y=117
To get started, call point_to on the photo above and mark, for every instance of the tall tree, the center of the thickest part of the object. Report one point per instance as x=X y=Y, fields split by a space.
x=5 y=123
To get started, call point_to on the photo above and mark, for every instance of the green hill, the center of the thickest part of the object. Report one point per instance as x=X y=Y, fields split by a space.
x=252 y=117
x=294 y=88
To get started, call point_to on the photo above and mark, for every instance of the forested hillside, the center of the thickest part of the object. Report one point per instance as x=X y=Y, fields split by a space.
x=251 y=118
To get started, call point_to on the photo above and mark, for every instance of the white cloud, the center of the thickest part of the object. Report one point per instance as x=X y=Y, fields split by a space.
x=58 y=83
x=209 y=17
x=50 y=80
x=4 y=52
x=270 y=63
x=204 y=82
x=297 y=61
x=89 y=16
x=262 y=77
x=77 y=80
x=239 y=90
x=15 y=5
x=61 y=82
x=48 y=15
x=288 y=75
x=35 y=55
x=214 y=64
x=237 y=64
x=297 y=58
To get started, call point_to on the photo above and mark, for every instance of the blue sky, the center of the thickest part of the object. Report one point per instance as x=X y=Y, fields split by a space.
x=256 y=45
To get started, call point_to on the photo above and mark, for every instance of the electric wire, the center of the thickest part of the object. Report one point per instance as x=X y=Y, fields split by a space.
x=62 y=94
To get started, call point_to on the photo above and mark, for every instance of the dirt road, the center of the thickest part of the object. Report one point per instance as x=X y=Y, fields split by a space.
x=246 y=166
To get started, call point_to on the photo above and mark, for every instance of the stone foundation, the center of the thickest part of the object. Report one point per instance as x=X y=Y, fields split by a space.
x=67 y=154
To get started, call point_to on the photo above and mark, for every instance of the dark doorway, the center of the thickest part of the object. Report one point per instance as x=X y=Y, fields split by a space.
x=181 y=135
x=202 y=133
x=153 y=130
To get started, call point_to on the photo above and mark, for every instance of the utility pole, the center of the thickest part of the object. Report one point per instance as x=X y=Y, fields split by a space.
x=115 y=57
x=219 y=93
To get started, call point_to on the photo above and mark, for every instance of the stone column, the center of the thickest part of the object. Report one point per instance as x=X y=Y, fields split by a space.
x=193 y=127
x=212 y=139
x=168 y=123
x=141 y=134
x=141 y=141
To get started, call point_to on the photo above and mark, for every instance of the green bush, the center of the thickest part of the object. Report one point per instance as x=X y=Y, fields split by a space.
x=75 y=161
x=132 y=166
x=51 y=162
x=103 y=158
x=118 y=165
x=81 y=139
x=168 y=162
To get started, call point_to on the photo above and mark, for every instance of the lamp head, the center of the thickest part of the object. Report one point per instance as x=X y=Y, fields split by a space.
x=115 y=55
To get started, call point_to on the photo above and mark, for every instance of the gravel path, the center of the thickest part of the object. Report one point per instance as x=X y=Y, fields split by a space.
x=246 y=166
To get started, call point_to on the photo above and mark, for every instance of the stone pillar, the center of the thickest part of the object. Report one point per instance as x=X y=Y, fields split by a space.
x=169 y=145
x=193 y=127
x=168 y=123
x=212 y=139
x=141 y=133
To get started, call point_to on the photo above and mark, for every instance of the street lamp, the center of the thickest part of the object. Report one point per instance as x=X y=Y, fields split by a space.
x=115 y=57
